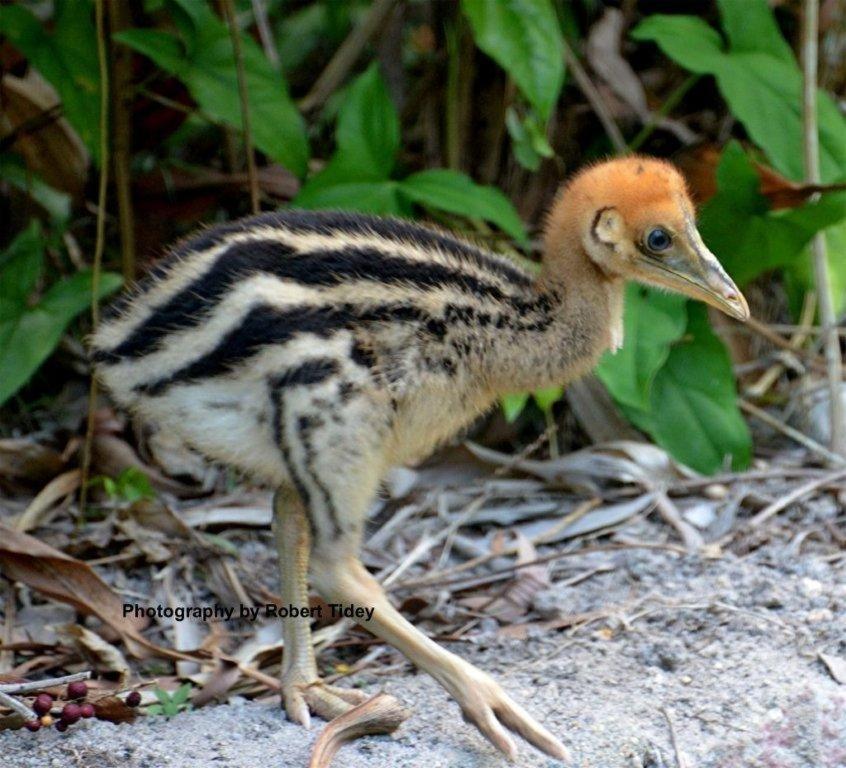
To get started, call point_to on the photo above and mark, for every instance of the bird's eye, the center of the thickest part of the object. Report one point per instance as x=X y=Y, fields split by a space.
x=658 y=240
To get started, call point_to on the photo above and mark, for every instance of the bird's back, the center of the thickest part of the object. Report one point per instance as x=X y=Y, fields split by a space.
x=341 y=304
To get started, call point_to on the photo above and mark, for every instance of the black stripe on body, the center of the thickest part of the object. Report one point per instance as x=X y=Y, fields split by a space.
x=305 y=426
x=333 y=222
x=196 y=301
x=278 y=402
x=264 y=326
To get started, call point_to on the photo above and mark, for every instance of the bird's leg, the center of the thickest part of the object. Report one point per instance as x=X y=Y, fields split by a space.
x=302 y=690
x=482 y=700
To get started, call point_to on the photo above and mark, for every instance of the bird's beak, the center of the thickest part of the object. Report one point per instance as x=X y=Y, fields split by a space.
x=691 y=269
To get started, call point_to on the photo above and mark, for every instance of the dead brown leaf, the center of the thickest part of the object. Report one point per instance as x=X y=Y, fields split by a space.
x=53 y=573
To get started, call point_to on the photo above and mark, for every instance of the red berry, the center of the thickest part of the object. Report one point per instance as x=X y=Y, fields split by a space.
x=32 y=725
x=87 y=710
x=61 y=726
x=133 y=699
x=71 y=713
x=43 y=703
x=77 y=690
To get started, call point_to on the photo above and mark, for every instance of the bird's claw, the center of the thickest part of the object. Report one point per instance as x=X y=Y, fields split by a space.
x=301 y=699
x=486 y=705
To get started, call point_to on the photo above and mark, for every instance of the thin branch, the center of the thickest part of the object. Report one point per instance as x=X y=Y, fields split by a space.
x=42 y=685
x=346 y=56
x=595 y=99
x=794 y=434
x=121 y=88
x=24 y=711
x=800 y=492
x=265 y=35
x=822 y=279
x=99 y=246
x=229 y=10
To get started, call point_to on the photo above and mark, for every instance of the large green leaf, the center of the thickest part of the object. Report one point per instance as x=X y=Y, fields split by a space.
x=66 y=57
x=694 y=413
x=379 y=197
x=454 y=192
x=20 y=267
x=367 y=137
x=748 y=238
x=652 y=322
x=201 y=57
x=758 y=77
x=28 y=334
x=524 y=38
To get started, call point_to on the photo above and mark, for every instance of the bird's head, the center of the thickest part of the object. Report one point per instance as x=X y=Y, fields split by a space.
x=634 y=219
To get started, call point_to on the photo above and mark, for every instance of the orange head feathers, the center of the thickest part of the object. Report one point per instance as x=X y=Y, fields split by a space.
x=633 y=218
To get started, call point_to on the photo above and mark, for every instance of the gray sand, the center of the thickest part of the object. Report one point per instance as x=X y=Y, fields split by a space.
x=729 y=647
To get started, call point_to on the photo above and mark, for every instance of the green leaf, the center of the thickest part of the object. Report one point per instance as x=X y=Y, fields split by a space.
x=513 y=405
x=746 y=236
x=367 y=139
x=368 y=134
x=380 y=197
x=546 y=398
x=524 y=38
x=29 y=336
x=201 y=57
x=758 y=77
x=66 y=57
x=652 y=322
x=694 y=413
x=454 y=192
x=180 y=695
x=20 y=267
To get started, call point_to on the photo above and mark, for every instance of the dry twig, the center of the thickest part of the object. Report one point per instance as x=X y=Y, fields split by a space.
x=800 y=492
x=822 y=279
x=793 y=434
x=96 y=267
x=243 y=96
x=346 y=56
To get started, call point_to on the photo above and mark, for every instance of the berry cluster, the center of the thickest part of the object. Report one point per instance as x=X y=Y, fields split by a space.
x=73 y=711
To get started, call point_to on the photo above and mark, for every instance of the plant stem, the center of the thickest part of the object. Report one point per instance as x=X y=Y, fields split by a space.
x=229 y=10
x=668 y=106
x=595 y=99
x=121 y=89
x=98 y=247
x=822 y=280
x=344 y=58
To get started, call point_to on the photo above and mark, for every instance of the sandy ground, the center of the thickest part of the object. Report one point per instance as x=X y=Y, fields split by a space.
x=728 y=648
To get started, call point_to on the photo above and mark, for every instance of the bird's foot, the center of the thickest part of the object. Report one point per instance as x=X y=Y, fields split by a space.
x=303 y=698
x=485 y=704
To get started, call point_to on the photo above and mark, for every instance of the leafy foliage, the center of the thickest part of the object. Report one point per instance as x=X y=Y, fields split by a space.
x=358 y=174
x=748 y=238
x=129 y=486
x=30 y=331
x=693 y=412
x=66 y=57
x=171 y=704
x=524 y=38
x=201 y=57
x=673 y=379
x=759 y=78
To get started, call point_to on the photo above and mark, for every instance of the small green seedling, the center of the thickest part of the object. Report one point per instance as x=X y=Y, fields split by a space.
x=129 y=486
x=171 y=704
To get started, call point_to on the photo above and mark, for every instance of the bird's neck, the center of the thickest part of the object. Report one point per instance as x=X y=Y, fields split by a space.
x=579 y=315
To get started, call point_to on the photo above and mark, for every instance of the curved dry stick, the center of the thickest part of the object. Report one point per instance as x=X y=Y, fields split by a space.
x=381 y=714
